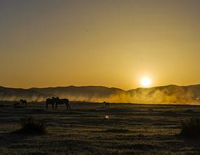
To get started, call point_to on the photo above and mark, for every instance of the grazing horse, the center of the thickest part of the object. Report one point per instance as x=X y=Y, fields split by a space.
x=106 y=104
x=50 y=101
x=23 y=102
x=62 y=101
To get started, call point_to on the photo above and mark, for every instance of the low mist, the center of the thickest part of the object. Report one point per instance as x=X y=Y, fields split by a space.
x=157 y=95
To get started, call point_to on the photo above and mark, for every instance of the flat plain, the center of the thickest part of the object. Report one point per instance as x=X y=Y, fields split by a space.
x=91 y=128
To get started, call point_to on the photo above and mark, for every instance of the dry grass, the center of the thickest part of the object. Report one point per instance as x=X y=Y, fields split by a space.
x=130 y=129
x=31 y=126
x=191 y=128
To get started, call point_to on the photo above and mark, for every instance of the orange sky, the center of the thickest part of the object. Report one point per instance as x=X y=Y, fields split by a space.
x=103 y=42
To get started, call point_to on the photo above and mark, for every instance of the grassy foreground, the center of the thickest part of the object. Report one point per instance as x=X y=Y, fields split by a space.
x=90 y=128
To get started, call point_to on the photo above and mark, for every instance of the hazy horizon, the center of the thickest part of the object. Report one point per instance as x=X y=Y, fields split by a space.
x=110 y=43
x=140 y=87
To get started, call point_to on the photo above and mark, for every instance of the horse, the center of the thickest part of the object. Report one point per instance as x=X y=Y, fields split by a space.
x=62 y=101
x=50 y=101
x=106 y=104
x=23 y=102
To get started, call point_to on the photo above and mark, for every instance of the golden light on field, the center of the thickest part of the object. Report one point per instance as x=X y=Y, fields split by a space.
x=145 y=82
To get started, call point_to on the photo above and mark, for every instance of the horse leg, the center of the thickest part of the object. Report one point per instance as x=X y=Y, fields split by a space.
x=56 y=106
x=46 y=106
x=52 y=105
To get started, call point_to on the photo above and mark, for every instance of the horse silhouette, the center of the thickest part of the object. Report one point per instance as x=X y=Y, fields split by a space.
x=23 y=102
x=106 y=104
x=50 y=101
x=62 y=101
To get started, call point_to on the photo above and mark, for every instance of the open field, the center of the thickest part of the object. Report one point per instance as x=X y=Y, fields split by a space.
x=130 y=129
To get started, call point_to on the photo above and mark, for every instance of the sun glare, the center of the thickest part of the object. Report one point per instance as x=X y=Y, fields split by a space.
x=145 y=82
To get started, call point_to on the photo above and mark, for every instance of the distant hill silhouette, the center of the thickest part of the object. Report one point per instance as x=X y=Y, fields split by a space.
x=18 y=93
x=89 y=91
x=162 y=94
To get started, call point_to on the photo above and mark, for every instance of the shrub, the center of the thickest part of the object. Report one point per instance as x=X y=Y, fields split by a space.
x=29 y=125
x=18 y=106
x=191 y=128
x=117 y=130
x=189 y=111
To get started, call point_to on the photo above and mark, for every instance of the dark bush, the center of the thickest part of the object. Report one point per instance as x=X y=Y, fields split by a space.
x=150 y=110
x=29 y=125
x=18 y=106
x=38 y=111
x=191 y=128
x=117 y=130
x=3 y=105
x=189 y=111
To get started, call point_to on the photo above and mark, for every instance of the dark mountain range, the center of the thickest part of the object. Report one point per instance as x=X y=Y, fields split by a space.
x=97 y=91
x=162 y=94
x=18 y=93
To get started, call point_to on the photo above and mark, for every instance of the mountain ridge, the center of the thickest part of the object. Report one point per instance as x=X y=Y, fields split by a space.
x=159 y=94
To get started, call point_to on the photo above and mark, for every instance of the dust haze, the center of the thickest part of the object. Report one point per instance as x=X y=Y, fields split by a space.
x=157 y=95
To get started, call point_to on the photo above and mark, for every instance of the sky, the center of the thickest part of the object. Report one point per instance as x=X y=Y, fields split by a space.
x=110 y=43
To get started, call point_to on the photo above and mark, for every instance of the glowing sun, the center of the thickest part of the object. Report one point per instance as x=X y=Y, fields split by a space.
x=145 y=82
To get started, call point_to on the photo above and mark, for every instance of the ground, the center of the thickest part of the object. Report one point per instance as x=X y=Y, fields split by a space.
x=90 y=128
